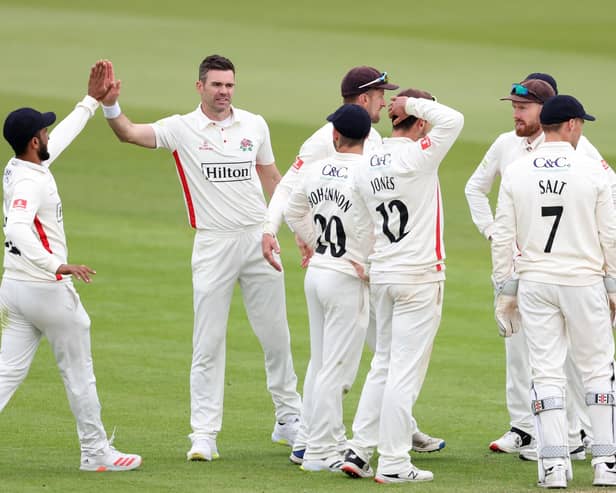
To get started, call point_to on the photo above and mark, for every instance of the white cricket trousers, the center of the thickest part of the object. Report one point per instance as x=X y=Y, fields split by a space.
x=518 y=382
x=53 y=310
x=558 y=319
x=407 y=318
x=220 y=260
x=338 y=307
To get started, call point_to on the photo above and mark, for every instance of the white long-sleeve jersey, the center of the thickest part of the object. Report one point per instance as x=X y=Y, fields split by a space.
x=35 y=243
x=325 y=210
x=506 y=149
x=557 y=206
x=319 y=145
x=401 y=189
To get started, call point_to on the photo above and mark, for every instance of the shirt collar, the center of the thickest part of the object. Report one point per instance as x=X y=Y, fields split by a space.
x=29 y=164
x=531 y=146
x=205 y=122
x=558 y=145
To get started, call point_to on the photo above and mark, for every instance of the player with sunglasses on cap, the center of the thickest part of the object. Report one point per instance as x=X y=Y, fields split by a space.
x=556 y=206
x=364 y=86
x=527 y=100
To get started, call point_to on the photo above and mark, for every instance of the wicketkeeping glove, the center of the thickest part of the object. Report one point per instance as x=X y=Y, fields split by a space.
x=506 y=308
x=610 y=287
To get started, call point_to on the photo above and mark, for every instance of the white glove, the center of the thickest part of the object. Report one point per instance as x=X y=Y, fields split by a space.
x=506 y=308
x=610 y=287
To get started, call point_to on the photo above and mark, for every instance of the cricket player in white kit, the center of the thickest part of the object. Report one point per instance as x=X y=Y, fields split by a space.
x=556 y=205
x=326 y=213
x=407 y=271
x=224 y=158
x=526 y=99
x=37 y=297
x=364 y=86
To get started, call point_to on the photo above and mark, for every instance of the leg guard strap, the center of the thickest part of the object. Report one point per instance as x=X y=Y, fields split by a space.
x=603 y=449
x=600 y=399
x=553 y=402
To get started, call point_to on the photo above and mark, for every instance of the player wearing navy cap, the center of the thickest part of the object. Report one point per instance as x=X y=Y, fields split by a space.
x=556 y=205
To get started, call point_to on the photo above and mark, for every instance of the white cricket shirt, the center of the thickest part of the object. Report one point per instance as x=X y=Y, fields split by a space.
x=319 y=145
x=35 y=243
x=506 y=149
x=401 y=189
x=325 y=210
x=557 y=206
x=216 y=167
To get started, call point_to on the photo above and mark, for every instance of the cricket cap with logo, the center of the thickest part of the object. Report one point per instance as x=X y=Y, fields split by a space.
x=530 y=91
x=361 y=79
x=23 y=124
x=563 y=108
x=352 y=121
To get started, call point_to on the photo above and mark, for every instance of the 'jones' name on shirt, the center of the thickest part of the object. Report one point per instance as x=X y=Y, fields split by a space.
x=382 y=183
x=232 y=171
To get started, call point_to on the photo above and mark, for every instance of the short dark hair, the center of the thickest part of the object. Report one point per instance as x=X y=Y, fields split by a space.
x=214 y=62
x=411 y=93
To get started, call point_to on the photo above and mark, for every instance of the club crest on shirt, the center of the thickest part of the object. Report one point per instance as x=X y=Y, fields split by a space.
x=425 y=143
x=20 y=203
x=246 y=145
x=298 y=163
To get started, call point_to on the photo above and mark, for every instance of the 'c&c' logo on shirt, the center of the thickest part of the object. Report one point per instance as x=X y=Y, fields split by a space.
x=335 y=172
x=380 y=159
x=544 y=162
x=232 y=171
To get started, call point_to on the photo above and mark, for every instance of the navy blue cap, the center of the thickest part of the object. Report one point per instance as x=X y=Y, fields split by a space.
x=545 y=78
x=352 y=121
x=23 y=124
x=562 y=108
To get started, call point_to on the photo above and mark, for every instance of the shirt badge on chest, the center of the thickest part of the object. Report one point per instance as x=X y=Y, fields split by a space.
x=246 y=145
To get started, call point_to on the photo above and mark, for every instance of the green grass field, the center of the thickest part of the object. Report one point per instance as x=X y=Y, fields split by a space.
x=124 y=216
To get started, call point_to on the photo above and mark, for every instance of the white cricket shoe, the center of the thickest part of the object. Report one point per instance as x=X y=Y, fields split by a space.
x=555 y=477
x=285 y=433
x=110 y=459
x=411 y=476
x=605 y=474
x=203 y=449
x=513 y=441
x=330 y=464
x=422 y=442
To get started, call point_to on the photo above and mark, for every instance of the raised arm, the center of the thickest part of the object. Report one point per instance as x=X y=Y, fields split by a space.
x=70 y=127
x=127 y=131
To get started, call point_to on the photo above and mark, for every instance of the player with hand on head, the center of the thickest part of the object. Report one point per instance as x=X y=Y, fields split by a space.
x=556 y=205
x=326 y=196
x=37 y=296
x=224 y=160
x=400 y=187
x=527 y=99
x=364 y=86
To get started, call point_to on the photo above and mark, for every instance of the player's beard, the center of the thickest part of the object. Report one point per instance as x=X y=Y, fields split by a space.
x=526 y=129
x=43 y=153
